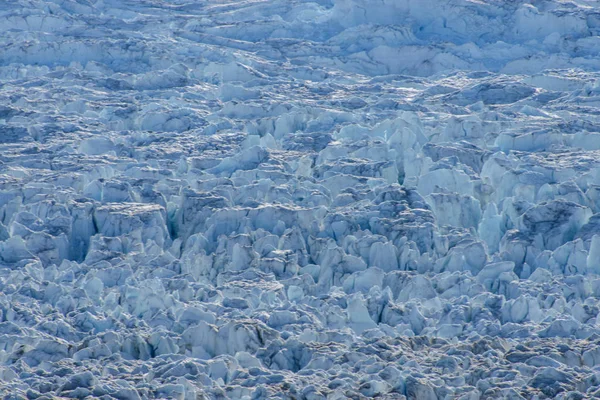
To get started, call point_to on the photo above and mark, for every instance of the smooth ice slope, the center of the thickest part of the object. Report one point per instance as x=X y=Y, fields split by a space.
x=322 y=199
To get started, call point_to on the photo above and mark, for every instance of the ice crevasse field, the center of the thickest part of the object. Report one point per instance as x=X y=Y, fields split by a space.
x=293 y=199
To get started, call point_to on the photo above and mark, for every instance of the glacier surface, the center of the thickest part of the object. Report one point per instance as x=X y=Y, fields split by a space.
x=321 y=199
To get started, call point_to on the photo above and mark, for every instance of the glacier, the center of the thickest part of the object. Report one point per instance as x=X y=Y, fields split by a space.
x=311 y=199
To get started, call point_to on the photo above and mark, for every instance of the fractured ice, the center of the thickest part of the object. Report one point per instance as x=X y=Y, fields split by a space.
x=321 y=199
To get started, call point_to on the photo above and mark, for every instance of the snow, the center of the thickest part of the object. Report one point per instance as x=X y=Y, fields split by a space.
x=321 y=199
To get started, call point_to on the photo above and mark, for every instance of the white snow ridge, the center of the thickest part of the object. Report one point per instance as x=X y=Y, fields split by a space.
x=299 y=199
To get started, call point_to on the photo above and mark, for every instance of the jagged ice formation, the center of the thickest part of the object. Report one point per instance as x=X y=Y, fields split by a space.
x=321 y=199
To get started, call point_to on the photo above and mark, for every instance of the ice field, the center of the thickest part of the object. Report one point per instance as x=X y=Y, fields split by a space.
x=326 y=199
